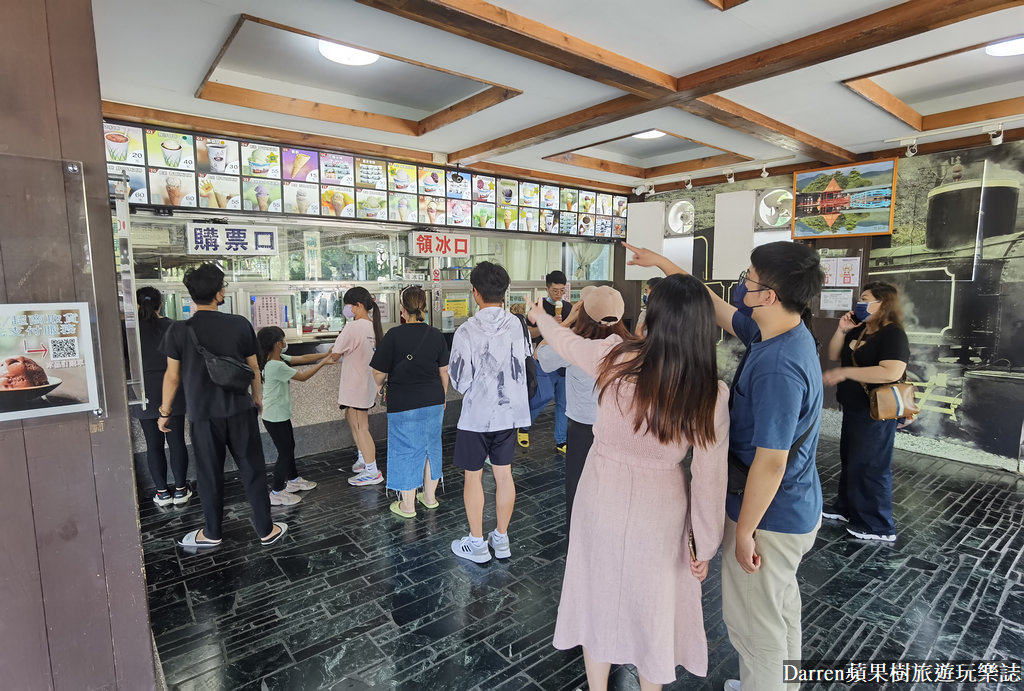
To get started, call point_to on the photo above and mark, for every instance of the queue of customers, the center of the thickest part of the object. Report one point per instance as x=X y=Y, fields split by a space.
x=641 y=534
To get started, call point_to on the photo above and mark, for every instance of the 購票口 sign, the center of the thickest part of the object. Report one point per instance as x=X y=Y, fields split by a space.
x=230 y=240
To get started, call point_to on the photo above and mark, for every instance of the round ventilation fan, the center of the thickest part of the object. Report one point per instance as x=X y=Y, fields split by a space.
x=680 y=217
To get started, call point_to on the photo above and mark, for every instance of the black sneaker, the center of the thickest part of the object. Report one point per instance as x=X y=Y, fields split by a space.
x=560 y=448
x=182 y=495
x=163 y=497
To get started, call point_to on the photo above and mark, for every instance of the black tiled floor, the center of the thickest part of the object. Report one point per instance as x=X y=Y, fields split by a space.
x=355 y=597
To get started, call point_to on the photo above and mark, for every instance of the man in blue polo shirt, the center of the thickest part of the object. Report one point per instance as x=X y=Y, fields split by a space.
x=774 y=503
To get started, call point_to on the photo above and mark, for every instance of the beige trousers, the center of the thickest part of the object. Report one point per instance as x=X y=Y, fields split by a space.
x=762 y=610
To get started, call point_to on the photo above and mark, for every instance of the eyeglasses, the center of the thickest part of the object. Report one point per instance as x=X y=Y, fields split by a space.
x=745 y=276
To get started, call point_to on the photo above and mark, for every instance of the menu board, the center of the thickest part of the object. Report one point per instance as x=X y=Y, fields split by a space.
x=460 y=213
x=458 y=185
x=301 y=198
x=432 y=210
x=169 y=150
x=261 y=160
x=124 y=144
x=337 y=201
x=483 y=215
x=337 y=169
x=218 y=156
x=403 y=207
x=401 y=177
x=483 y=189
x=219 y=192
x=431 y=181
x=371 y=204
x=198 y=171
x=172 y=187
x=302 y=165
x=508 y=192
x=259 y=194
x=371 y=174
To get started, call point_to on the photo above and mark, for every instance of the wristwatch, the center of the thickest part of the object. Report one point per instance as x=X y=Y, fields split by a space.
x=163 y=413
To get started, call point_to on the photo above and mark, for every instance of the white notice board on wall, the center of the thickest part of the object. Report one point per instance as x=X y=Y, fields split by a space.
x=646 y=228
x=734 y=233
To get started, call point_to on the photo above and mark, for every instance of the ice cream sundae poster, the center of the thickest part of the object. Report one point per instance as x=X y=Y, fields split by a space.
x=172 y=188
x=401 y=177
x=301 y=165
x=508 y=192
x=529 y=194
x=169 y=150
x=123 y=144
x=47 y=362
x=261 y=160
x=432 y=181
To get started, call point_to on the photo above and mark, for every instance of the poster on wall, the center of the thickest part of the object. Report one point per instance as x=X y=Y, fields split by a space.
x=508 y=192
x=431 y=181
x=619 y=206
x=219 y=191
x=259 y=194
x=568 y=200
x=170 y=150
x=483 y=188
x=603 y=227
x=529 y=220
x=261 y=160
x=529 y=194
x=301 y=198
x=844 y=201
x=372 y=204
x=588 y=202
x=483 y=215
x=460 y=212
x=586 y=226
x=403 y=207
x=302 y=165
x=549 y=197
x=138 y=192
x=567 y=223
x=47 y=363
x=336 y=169
x=548 y=221
x=432 y=210
x=401 y=177
x=458 y=185
x=371 y=174
x=217 y=156
x=337 y=201
x=124 y=144
x=172 y=187
x=604 y=204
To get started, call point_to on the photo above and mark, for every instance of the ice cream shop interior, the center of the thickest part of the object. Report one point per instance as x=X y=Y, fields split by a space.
x=312 y=151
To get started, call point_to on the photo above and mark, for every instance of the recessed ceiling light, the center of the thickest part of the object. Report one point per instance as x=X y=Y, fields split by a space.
x=346 y=55
x=649 y=134
x=1015 y=46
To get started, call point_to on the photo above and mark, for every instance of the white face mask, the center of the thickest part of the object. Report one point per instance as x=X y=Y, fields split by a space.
x=284 y=349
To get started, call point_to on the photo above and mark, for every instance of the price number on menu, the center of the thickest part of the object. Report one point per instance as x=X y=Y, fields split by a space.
x=233 y=168
x=190 y=200
x=186 y=163
x=138 y=196
x=136 y=157
x=275 y=205
x=314 y=176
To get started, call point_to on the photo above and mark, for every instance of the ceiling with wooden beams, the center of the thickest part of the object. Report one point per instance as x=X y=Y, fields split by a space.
x=534 y=87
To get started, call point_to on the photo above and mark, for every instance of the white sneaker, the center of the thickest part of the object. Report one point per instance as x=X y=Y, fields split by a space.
x=500 y=545
x=284 y=498
x=464 y=548
x=831 y=515
x=732 y=685
x=366 y=478
x=871 y=536
x=299 y=485
x=360 y=464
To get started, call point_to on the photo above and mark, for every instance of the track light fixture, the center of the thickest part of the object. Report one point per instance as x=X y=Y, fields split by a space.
x=640 y=189
x=730 y=177
x=764 y=170
x=911 y=148
x=996 y=136
x=688 y=182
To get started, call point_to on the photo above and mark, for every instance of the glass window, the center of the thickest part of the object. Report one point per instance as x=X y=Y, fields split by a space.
x=589 y=261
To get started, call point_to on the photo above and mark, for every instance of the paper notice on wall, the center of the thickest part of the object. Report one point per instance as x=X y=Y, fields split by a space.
x=848 y=272
x=266 y=311
x=459 y=307
x=830 y=267
x=840 y=299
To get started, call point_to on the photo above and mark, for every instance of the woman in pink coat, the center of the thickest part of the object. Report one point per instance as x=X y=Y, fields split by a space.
x=632 y=592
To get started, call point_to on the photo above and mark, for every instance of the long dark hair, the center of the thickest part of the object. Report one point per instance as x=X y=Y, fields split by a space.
x=149 y=300
x=794 y=272
x=675 y=367
x=361 y=296
x=596 y=331
x=266 y=338
x=891 y=311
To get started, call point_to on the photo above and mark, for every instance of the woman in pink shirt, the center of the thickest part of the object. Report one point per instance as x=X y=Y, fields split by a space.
x=357 y=391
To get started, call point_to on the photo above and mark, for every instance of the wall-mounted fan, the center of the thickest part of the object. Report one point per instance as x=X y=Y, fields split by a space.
x=679 y=218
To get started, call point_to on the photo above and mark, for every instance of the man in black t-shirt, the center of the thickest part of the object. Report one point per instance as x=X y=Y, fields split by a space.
x=558 y=308
x=220 y=419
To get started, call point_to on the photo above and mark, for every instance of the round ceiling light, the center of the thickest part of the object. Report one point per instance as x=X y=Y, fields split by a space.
x=345 y=55
x=1003 y=49
x=649 y=134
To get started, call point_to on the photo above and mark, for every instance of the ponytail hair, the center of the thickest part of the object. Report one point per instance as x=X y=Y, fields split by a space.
x=361 y=296
x=149 y=301
x=266 y=338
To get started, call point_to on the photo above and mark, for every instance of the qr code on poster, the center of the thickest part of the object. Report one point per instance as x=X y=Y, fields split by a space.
x=64 y=348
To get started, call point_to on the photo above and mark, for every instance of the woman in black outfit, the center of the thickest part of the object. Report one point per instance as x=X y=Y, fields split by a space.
x=152 y=327
x=872 y=352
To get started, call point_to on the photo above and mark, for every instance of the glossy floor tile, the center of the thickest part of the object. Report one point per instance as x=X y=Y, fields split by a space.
x=355 y=597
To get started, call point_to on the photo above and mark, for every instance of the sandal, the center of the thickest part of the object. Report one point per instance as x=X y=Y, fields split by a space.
x=272 y=538
x=419 y=498
x=192 y=540
x=396 y=508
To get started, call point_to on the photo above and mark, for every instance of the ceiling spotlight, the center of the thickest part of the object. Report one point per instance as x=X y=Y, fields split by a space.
x=1003 y=49
x=996 y=137
x=346 y=55
x=911 y=148
x=640 y=189
x=650 y=190
x=730 y=177
x=764 y=171
x=689 y=183
x=649 y=134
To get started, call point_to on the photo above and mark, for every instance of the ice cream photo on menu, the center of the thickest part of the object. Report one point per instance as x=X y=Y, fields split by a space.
x=372 y=204
x=123 y=144
x=528 y=220
x=483 y=215
x=301 y=198
x=336 y=169
x=47 y=363
x=431 y=210
x=401 y=177
x=261 y=160
x=460 y=212
x=170 y=150
x=261 y=195
x=529 y=194
x=300 y=164
x=432 y=181
x=508 y=192
x=337 y=201
x=549 y=197
x=137 y=189
x=459 y=185
x=619 y=207
x=402 y=207
x=219 y=192
x=569 y=199
x=216 y=156
x=483 y=188
x=604 y=204
x=172 y=188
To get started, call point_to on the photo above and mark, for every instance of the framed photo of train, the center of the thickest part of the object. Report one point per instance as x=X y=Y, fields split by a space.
x=844 y=201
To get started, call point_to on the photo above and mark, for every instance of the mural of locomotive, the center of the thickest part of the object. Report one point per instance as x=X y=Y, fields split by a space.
x=957 y=256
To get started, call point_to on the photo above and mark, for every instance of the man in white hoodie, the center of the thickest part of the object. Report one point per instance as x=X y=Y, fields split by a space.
x=488 y=366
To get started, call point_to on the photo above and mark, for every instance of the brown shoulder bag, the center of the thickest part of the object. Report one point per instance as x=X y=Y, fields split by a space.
x=889 y=401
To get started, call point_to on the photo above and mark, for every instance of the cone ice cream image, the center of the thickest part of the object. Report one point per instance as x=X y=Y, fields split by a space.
x=432 y=211
x=301 y=201
x=207 y=192
x=172 y=152
x=298 y=164
x=339 y=201
x=262 y=197
x=587 y=203
x=173 y=188
x=508 y=218
x=530 y=221
x=403 y=209
x=222 y=199
x=117 y=146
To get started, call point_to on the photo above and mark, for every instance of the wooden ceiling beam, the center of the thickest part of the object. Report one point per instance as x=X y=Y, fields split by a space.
x=886 y=101
x=497 y=27
x=605 y=166
x=979 y=113
x=696 y=164
x=544 y=176
x=750 y=122
x=725 y=4
x=474 y=104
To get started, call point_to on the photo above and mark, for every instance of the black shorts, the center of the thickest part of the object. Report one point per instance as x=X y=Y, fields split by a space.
x=471 y=448
x=351 y=407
